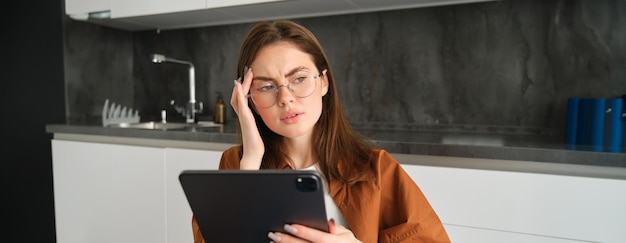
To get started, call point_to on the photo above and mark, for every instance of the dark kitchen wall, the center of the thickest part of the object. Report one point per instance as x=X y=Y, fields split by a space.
x=98 y=66
x=504 y=64
x=32 y=96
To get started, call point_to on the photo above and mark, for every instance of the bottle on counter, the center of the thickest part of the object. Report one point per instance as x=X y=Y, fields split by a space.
x=220 y=110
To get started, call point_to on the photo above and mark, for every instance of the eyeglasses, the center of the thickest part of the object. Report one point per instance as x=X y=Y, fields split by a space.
x=264 y=94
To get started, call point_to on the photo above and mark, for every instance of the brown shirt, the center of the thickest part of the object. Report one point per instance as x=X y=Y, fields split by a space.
x=390 y=209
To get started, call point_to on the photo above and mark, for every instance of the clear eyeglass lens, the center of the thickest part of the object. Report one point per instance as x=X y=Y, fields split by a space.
x=265 y=93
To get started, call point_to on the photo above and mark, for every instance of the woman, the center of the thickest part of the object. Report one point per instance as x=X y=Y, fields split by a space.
x=291 y=118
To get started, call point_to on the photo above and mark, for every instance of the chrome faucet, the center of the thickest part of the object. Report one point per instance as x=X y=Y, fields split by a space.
x=191 y=109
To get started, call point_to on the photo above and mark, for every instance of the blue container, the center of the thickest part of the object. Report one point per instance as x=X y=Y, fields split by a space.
x=596 y=125
x=615 y=125
x=572 y=121
x=583 y=121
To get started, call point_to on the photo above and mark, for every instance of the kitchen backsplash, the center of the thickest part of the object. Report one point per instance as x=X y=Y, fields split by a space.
x=503 y=66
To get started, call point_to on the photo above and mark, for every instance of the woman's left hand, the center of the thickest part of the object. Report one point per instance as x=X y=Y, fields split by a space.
x=301 y=233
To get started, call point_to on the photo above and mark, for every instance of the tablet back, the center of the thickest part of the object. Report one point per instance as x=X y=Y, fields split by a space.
x=244 y=205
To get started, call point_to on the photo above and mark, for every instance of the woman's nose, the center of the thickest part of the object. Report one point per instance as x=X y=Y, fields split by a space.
x=284 y=95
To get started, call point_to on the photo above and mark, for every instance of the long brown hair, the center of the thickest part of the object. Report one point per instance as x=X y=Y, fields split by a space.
x=341 y=152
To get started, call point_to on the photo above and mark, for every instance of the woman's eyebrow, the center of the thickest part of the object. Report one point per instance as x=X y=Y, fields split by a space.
x=295 y=70
x=289 y=74
x=261 y=78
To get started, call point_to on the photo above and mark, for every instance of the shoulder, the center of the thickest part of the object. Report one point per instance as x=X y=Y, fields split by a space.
x=383 y=159
x=231 y=157
x=237 y=149
x=388 y=168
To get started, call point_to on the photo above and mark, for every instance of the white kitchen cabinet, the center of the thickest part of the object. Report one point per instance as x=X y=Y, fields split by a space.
x=178 y=210
x=125 y=8
x=210 y=4
x=129 y=193
x=502 y=206
x=108 y=193
x=123 y=193
x=472 y=234
x=162 y=14
x=84 y=7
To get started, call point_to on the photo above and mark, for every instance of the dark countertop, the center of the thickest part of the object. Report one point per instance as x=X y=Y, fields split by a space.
x=466 y=144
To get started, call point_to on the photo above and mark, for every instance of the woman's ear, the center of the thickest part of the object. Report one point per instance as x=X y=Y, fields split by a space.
x=324 y=82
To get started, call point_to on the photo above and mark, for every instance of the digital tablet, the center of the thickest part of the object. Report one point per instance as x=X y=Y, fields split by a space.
x=245 y=205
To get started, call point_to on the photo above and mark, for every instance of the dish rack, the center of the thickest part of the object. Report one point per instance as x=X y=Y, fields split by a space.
x=116 y=114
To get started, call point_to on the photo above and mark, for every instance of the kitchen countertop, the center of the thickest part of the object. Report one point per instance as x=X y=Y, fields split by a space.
x=538 y=150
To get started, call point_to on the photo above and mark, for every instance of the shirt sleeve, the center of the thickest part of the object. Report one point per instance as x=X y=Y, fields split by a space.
x=197 y=235
x=406 y=214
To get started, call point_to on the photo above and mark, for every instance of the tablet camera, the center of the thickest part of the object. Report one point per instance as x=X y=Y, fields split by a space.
x=306 y=184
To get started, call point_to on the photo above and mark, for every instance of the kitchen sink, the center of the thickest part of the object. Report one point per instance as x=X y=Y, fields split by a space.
x=164 y=126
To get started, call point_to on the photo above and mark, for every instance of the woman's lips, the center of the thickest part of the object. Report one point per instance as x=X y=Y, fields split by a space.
x=290 y=117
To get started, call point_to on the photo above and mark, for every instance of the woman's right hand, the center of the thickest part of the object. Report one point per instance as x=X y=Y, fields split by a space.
x=253 y=147
x=301 y=233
